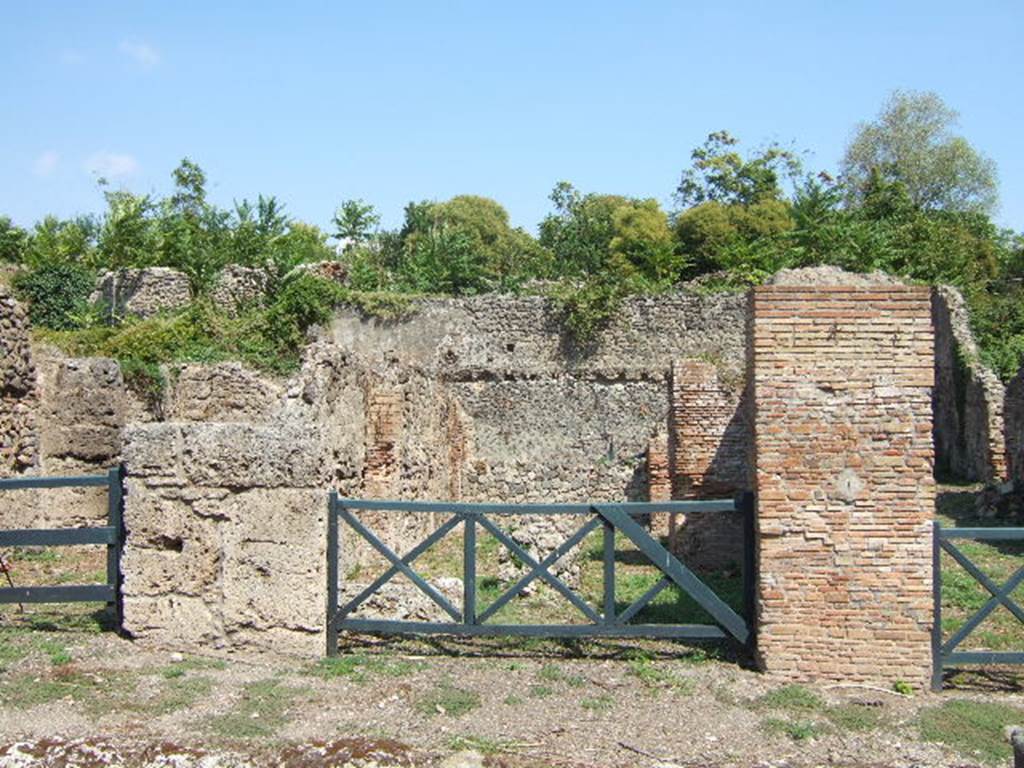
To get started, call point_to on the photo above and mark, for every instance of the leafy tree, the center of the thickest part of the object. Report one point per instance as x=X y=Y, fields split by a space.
x=720 y=174
x=580 y=231
x=444 y=260
x=913 y=141
x=194 y=235
x=127 y=236
x=643 y=241
x=13 y=241
x=713 y=233
x=55 y=240
x=354 y=222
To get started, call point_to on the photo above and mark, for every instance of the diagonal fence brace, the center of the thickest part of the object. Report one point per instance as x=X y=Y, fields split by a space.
x=540 y=570
x=408 y=559
x=999 y=597
x=981 y=577
x=397 y=562
x=675 y=570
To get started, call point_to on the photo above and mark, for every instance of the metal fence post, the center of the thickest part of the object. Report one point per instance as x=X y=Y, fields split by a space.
x=609 y=573
x=748 y=509
x=115 y=519
x=332 y=574
x=469 y=570
x=936 y=606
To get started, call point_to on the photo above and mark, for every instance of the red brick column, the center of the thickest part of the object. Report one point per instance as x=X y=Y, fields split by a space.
x=843 y=420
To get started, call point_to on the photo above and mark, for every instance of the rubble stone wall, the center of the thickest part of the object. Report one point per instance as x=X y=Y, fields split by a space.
x=19 y=439
x=842 y=382
x=970 y=441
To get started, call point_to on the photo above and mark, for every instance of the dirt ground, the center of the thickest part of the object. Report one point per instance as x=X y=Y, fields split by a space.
x=72 y=695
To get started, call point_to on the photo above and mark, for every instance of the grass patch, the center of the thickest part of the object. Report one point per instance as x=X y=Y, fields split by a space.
x=179 y=669
x=360 y=668
x=552 y=673
x=797 y=730
x=261 y=711
x=602 y=703
x=539 y=691
x=658 y=675
x=97 y=692
x=179 y=693
x=854 y=717
x=972 y=728
x=481 y=744
x=446 y=699
x=794 y=698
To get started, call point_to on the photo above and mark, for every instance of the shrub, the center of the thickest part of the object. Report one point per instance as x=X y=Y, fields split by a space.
x=57 y=294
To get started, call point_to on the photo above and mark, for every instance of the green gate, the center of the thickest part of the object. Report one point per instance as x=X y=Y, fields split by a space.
x=111 y=535
x=601 y=621
x=945 y=653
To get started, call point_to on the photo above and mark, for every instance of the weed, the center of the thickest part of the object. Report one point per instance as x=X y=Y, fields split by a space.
x=854 y=717
x=552 y=673
x=797 y=730
x=260 y=712
x=791 y=697
x=972 y=728
x=655 y=675
x=601 y=703
x=446 y=699
x=539 y=691
x=481 y=744
x=903 y=687
x=512 y=700
x=179 y=668
x=360 y=668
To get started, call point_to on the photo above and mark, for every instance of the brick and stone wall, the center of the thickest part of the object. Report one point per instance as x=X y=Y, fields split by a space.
x=842 y=381
x=708 y=438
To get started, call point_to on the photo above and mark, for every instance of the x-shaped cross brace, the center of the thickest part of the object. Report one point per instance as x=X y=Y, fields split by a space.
x=1000 y=596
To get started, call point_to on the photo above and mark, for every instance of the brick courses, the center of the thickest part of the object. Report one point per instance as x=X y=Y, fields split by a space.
x=842 y=381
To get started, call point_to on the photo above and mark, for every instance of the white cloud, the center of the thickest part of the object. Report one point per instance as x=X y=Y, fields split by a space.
x=111 y=165
x=46 y=163
x=142 y=53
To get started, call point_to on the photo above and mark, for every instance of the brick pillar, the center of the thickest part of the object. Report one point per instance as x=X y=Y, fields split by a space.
x=842 y=382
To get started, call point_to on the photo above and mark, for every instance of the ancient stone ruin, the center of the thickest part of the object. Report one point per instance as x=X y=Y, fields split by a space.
x=832 y=397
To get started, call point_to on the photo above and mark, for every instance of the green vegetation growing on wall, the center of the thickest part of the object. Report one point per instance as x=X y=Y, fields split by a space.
x=920 y=214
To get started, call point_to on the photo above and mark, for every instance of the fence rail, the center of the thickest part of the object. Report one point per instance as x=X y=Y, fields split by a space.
x=111 y=535
x=603 y=621
x=944 y=654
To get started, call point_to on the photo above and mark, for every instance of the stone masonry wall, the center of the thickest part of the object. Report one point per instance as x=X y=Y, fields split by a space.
x=968 y=398
x=19 y=440
x=842 y=382
x=226 y=529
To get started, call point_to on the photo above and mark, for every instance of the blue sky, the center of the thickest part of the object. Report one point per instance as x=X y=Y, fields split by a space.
x=391 y=102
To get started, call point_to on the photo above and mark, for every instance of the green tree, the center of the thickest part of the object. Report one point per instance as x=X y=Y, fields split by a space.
x=127 y=236
x=913 y=141
x=354 y=222
x=13 y=241
x=56 y=240
x=580 y=231
x=194 y=235
x=721 y=174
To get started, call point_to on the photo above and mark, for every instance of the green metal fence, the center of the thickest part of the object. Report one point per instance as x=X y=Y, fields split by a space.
x=944 y=654
x=601 y=621
x=111 y=535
